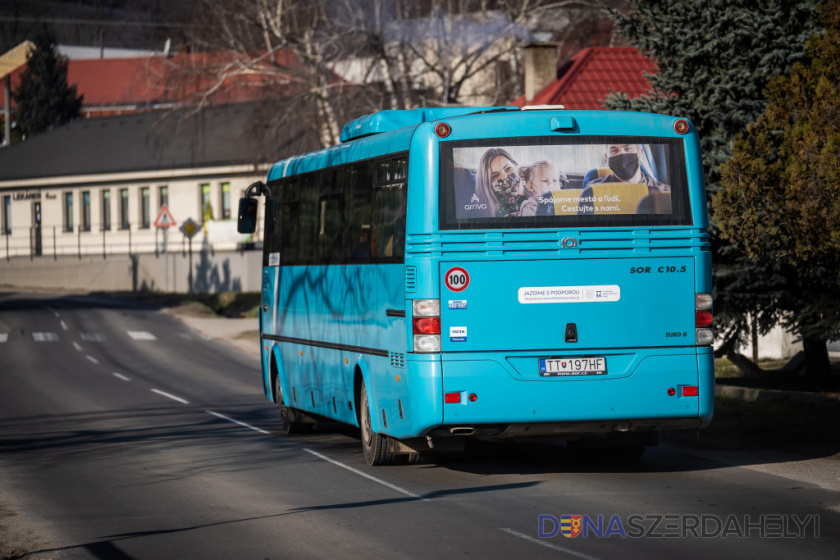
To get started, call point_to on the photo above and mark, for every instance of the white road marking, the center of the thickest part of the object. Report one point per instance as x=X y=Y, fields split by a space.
x=4 y=337
x=185 y=335
x=550 y=545
x=325 y=458
x=141 y=335
x=92 y=359
x=45 y=336
x=364 y=474
x=169 y=396
x=63 y=325
x=77 y=347
x=53 y=311
x=93 y=337
x=250 y=427
x=121 y=376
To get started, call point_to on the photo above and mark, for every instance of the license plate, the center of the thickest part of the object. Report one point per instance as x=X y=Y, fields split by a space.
x=571 y=367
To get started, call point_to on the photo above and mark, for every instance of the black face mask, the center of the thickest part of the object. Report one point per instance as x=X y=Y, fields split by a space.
x=624 y=165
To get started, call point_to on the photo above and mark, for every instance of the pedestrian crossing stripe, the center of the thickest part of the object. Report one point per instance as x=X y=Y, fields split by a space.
x=4 y=337
x=45 y=336
x=141 y=335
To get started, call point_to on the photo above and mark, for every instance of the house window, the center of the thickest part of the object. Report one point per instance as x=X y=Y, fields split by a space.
x=225 y=201
x=106 y=210
x=163 y=196
x=86 y=211
x=145 y=217
x=124 y=223
x=7 y=215
x=206 y=209
x=68 y=211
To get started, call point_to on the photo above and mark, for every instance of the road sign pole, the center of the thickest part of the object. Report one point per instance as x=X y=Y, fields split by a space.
x=191 y=271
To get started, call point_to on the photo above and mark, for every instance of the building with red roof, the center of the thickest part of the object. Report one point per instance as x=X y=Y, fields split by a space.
x=129 y=85
x=586 y=79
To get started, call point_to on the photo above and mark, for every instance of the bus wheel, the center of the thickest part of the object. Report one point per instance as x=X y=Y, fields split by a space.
x=286 y=414
x=375 y=446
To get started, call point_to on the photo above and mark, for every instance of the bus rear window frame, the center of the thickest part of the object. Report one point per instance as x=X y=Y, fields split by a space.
x=446 y=188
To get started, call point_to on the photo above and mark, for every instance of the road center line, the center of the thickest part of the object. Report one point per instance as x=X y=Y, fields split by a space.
x=168 y=396
x=120 y=376
x=63 y=325
x=364 y=474
x=550 y=545
x=92 y=359
x=4 y=337
x=48 y=308
x=229 y=419
x=77 y=347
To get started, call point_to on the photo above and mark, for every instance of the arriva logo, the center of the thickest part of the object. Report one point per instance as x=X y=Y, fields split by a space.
x=475 y=204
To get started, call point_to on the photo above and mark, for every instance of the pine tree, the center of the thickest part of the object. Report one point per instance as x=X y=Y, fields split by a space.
x=44 y=99
x=780 y=202
x=714 y=58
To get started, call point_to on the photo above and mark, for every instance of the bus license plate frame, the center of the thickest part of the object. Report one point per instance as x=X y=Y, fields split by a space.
x=578 y=366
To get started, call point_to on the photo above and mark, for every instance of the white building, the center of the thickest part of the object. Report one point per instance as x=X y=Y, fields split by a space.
x=96 y=186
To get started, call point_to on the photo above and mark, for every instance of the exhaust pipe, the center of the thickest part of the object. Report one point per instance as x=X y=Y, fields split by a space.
x=462 y=431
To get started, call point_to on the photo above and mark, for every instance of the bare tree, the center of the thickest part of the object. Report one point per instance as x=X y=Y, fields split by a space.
x=316 y=63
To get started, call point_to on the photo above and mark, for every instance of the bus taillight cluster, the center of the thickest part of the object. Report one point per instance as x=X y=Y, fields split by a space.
x=703 y=319
x=425 y=322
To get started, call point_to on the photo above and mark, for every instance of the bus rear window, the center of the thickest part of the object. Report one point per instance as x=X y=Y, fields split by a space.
x=603 y=181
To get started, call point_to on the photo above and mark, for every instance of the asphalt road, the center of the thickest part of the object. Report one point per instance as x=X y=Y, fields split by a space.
x=126 y=435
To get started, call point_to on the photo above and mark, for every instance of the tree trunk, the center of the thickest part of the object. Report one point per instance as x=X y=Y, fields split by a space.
x=817 y=364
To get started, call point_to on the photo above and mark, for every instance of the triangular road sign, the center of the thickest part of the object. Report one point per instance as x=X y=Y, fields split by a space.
x=164 y=218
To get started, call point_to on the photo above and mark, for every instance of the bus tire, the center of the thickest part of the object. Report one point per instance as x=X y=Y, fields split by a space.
x=374 y=446
x=287 y=424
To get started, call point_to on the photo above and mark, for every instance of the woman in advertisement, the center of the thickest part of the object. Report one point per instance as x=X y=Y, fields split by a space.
x=498 y=180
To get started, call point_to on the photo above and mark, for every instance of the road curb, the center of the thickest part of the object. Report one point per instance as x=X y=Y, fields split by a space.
x=764 y=395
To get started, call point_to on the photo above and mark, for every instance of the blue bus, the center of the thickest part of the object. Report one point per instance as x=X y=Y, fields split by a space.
x=490 y=273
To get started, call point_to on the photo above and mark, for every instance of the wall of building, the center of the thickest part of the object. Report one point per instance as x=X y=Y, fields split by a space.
x=216 y=271
x=87 y=237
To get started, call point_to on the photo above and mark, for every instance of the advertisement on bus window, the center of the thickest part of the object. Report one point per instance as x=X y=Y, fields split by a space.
x=508 y=182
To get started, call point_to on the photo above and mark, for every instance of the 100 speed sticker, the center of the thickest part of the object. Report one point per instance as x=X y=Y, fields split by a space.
x=457 y=279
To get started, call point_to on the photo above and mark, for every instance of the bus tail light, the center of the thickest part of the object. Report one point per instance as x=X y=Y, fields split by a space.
x=425 y=323
x=452 y=398
x=689 y=391
x=703 y=319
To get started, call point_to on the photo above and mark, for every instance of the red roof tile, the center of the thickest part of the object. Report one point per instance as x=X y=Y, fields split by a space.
x=148 y=81
x=592 y=74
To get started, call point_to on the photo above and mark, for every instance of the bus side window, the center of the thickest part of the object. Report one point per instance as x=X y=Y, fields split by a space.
x=389 y=220
x=358 y=181
x=272 y=238
x=308 y=218
x=331 y=230
x=287 y=222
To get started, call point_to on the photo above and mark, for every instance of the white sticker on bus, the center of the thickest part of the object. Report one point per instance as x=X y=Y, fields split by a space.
x=274 y=259
x=569 y=294
x=457 y=304
x=457 y=334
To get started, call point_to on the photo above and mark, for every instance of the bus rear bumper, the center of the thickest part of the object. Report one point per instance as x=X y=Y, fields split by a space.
x=496 y=400
x=566 y=430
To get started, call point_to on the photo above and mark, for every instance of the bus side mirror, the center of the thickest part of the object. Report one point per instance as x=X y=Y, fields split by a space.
x=247 y=215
